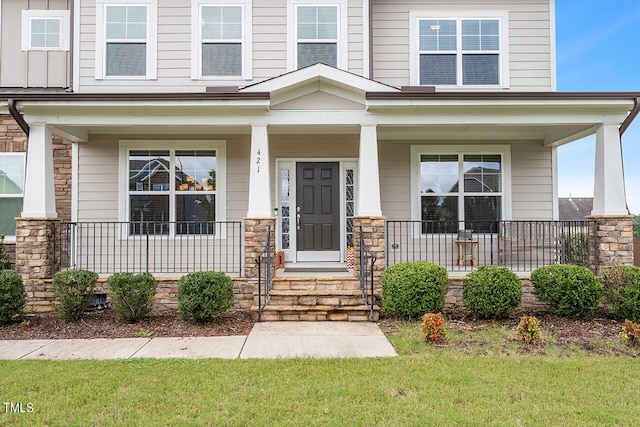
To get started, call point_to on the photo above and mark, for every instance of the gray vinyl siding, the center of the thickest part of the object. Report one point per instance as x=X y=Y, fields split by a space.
x=29 y=69
x=530 y=44
x=174 y=48
x=531 y=178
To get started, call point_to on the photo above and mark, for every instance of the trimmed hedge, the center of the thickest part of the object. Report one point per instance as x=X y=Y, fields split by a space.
x=621 y=287
x=204 y=295
x=412 y=289
x=132 y=294
x=74 y=289
x=492 y=292
x=13 y=298
x=570 y=290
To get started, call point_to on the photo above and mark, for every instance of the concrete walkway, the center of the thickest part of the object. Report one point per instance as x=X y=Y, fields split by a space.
x=267 y=340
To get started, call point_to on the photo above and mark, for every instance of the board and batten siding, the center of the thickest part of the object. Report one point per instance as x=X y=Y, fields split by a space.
x=269 y=42
x=98 y=176
x=35 y=68
x=531 y=178
x=531 y=62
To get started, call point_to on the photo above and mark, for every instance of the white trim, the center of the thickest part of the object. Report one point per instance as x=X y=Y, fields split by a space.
x=502 y=149
x=552 y=48
x=247 y=38
x=342 y=59
x=151 y=40
x=555 y=208
x=291 y=254
x=414 y=63
x=366 y=13
x=61 y=15
x=76 y=47
x=221 y=171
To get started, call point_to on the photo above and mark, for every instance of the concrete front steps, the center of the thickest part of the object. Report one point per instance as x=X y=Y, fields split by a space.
x=316 y=299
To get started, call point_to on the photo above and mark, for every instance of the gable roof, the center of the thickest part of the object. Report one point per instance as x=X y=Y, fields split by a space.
x=574 y=209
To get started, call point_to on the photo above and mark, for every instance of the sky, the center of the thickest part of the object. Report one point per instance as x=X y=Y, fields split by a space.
x=598 y=50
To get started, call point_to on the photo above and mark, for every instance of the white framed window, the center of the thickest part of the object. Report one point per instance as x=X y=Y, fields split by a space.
x=221 y=39
x=173 y=187
x=460 y=187
x=12 y=170
x=317 y=33
x=126 y=39
x=45 y=30
x=459 y=49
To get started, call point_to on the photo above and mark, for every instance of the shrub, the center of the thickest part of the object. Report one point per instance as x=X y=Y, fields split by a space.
x=631 y=333
x=13 y=298
x=621 y=291
x=570 y=290
x=492 y=292
x=5 y=263
x=411 y=289
x=132 y=294
x=576 y=248
x=74 y=290
x=204 y=295
x=433 y=326
x=529 y=329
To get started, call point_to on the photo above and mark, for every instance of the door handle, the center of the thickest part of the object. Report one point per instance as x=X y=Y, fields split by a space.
x=298 y=218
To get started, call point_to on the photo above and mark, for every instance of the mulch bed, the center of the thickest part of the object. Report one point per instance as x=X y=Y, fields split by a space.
x=108 y=324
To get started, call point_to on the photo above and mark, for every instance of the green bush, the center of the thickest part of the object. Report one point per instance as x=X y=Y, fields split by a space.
x=576 y=249
x=204 y=295
x=13 y=298
x=132 y=294
x=5 y=263
x=74 y=290
x=621 y=286
x=570 y=290
x=492 y=292
x=412 y=289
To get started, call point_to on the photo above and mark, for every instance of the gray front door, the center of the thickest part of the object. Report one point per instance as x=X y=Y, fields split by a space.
x=318 y=211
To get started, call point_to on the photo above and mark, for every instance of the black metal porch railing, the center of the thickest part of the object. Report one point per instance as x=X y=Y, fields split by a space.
x=264 y=274
x=154 y=247
x=367 y=261
x=519 y=245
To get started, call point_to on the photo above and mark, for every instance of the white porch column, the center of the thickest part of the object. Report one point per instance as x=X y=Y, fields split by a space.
x=609 y=197
x=39 y=189
x=259 y=176
x=368 y=173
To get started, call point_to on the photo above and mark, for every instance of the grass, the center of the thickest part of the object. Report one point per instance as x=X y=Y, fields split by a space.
x=424 y=385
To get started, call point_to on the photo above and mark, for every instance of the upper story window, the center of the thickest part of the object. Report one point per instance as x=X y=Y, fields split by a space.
x=221 y=39
x=126 y=39
x=45 y=30
x=456 y=51
x=317 y=33
x=12 y=168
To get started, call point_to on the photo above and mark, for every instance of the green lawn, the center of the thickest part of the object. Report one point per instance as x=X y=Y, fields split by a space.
x=426 y=388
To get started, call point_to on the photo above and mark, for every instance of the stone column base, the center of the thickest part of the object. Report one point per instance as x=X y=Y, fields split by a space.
x=614 y=239
x=373 y=232
x=255 y=239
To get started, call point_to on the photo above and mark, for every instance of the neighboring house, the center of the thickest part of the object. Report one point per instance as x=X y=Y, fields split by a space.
x=575 y=208
x=306 y=118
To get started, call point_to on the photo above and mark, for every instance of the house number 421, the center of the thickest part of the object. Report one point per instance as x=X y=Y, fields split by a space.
x=258 y=161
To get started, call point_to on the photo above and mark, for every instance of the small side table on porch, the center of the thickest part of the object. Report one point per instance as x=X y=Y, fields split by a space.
x=467 y=251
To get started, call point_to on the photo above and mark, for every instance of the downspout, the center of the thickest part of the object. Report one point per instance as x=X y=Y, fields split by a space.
x=71 y=43
x=13 y=109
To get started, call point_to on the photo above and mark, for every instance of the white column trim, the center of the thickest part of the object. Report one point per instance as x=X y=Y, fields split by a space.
x=609 y=196
x=39 y=189
x=259 y=175
x=368 y=197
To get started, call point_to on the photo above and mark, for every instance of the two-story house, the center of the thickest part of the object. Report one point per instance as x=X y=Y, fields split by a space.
x=177 y=135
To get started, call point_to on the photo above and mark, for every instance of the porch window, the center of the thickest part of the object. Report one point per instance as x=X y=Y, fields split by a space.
x=125 y=34
x=460 y=190
x=459 y=51
x=12 y=167
x=172 y=186
x=317 y=35
x=45 y=30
